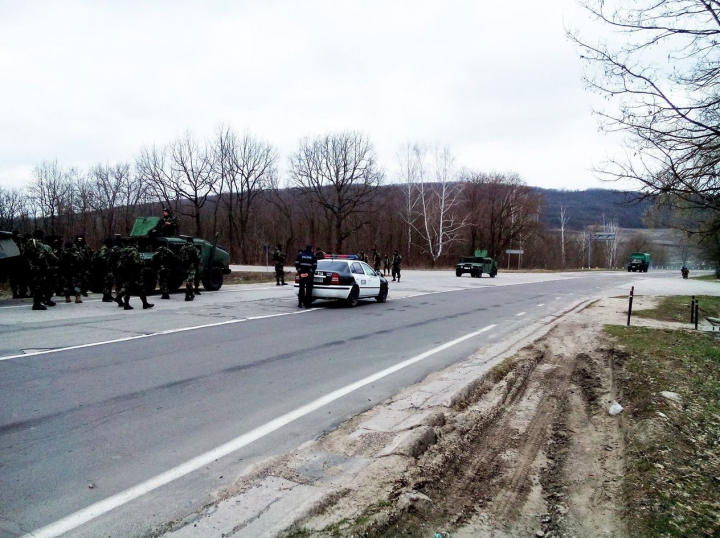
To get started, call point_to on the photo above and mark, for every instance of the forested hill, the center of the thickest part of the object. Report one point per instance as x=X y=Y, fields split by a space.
x=588 y=207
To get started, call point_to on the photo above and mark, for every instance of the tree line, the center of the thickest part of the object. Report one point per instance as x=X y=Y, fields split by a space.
x=333 y=194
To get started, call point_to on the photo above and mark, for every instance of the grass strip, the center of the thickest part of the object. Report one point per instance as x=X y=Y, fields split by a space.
x=672 y=475
x=677 y=308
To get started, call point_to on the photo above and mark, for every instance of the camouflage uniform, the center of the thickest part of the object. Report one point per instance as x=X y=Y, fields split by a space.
x=40 y=259
x=386 y=265
x=320 y=254
x=279 y=260
x=101 y=264
x=86 y=256
x=163 y=261
x=190 y=258
x=396 y=261
x=376 y=258
x=113 y=271
x=129 y=267
x=362 y=256
x=71 y=271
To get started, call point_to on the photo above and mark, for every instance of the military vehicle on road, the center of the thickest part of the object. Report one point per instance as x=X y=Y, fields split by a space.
x=639 y=261
x=476 y=265
x=215 y=260
x=9 y=255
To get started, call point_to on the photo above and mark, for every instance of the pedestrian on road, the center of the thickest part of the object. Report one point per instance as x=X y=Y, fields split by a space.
x=386 y=263
x=396 y=261
x=279 y=261
x=305 y=264
x=163 y=262
x=130 y=269
x=40 y=259
x=190 y=257
x=376 y=258
x=362 y=256
x=101 y=264
x=72 y=267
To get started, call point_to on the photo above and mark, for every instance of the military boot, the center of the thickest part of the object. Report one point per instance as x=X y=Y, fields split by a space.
x=189 y=296
x=107 y=298
x=78 y=299
x=119 y=300
x=165 y=296
x=127 y=304
x=37 y=305
x=197 y=291
x=50 y=302
x=145 y=303
x=67 y=298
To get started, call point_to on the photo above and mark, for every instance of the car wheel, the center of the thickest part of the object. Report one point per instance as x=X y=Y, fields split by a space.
x=492 y=275
x=353 y=298
x=214 y=280
x=458 y=273
x=383 y=295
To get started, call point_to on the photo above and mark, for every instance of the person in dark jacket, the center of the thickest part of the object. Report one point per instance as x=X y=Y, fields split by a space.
x=305 y=264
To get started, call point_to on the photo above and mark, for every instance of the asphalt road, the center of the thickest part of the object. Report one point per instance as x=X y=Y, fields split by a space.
x=144 y=392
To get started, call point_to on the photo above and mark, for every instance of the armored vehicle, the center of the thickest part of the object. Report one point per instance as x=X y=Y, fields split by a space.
x=476 y=265
x=215 y=259
x=639 y=261
x=9 y=255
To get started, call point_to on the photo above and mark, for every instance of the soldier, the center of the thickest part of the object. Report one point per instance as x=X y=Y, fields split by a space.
x=129 y=268
x=113 y=263
x=190 y=257
x=86 y=256
x=319 y=254
x=167 y=225
x=71 y=271
x=19 y=271
x=101 y=264
x=305 y=264
x=362 y=256
x=376 y=258
x=40 y=257
x=279 y=261
x=386 y=265
x=396 y=261
x=163 y=261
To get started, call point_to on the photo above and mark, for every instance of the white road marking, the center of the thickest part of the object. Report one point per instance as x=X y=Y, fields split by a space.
x=558 y=298
x=541 y=304
x=521 y=314
x=93 y=511
x=161 y=333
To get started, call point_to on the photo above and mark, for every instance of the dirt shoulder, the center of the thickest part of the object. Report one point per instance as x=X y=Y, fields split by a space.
x=528 y=449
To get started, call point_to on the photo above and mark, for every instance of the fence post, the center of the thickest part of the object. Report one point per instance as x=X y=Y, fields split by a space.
x=632 y=291
x=692 y=309
x=697 y=309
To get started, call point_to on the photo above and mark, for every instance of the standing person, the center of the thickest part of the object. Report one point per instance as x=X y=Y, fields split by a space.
x=130 y=266
x=396 y=261
x=85 y=269
x=71 y=267
x=101 y=264
x=279 y=261
x=362 y=256
x=113 y=266
x=386 y=265
x=190 y=258
x=305 y=264
x=168 y=224
x=19 y=271
x=40 y=257
x=376 y=258
x=163 y=261
x=319 y=253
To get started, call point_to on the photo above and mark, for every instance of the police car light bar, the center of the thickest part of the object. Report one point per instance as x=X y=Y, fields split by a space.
x=343 y=256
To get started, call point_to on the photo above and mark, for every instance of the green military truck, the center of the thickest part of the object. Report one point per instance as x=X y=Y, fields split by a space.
x=476 y=265
x=215 y=260
x=639 y=261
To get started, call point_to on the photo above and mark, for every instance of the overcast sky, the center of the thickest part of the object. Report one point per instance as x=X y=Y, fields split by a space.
x=497 y=82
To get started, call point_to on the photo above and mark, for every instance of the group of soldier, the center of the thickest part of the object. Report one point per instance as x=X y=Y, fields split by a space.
x=51 y=267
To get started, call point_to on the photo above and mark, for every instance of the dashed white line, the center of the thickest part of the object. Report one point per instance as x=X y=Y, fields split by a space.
x=521 y=314
x=541 y=304
x=93 y=511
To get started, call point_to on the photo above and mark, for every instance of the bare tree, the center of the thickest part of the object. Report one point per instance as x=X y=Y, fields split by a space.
x=339 y=173
x=13 y=208
x=440 y=222
x=611 y=226
x=564 y=219
x=412 y=169
x=663 y=79
x=49 y=191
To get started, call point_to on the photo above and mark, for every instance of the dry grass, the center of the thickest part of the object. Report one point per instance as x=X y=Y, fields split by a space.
x=255 y=277
x=677 y=308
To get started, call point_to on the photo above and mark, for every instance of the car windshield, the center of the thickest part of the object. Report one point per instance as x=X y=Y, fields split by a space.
x=331 y=265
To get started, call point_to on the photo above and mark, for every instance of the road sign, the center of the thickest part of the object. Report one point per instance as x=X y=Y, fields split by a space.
x=514 y=251
x=602 y=236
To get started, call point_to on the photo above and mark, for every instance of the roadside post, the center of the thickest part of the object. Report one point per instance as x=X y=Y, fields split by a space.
x=692 y=309
x=517 y=251
x=632 y=291
x=697 y=311
x=266 y=248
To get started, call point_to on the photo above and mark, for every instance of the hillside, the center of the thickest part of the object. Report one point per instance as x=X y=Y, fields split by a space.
x=585 y=208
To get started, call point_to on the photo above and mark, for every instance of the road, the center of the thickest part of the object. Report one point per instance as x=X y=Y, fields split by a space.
x=95 y=401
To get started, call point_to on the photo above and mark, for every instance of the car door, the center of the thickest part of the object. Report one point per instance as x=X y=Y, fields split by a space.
x=372 y=288
x=361 y=279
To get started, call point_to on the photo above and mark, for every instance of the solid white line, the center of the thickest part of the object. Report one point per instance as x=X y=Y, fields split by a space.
x=137 y=337
x=520 y=314
x=93 y=511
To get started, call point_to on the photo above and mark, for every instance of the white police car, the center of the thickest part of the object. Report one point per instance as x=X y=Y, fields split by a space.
x=345 y=278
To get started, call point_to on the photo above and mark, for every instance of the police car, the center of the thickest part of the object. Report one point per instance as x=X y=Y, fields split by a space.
x=345 y=278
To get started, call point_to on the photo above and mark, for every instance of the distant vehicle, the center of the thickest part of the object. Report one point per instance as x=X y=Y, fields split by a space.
x=345 y=278
x=476 y=265
x=215 y=259
x=9 y=255
x=639 y=261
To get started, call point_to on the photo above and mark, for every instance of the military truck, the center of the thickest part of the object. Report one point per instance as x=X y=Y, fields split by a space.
x=9 y=255
x=476 y=265
x=639 y=261
x=215 y=259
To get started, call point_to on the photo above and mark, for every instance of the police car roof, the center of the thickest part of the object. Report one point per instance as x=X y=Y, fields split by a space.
x=342 y=256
